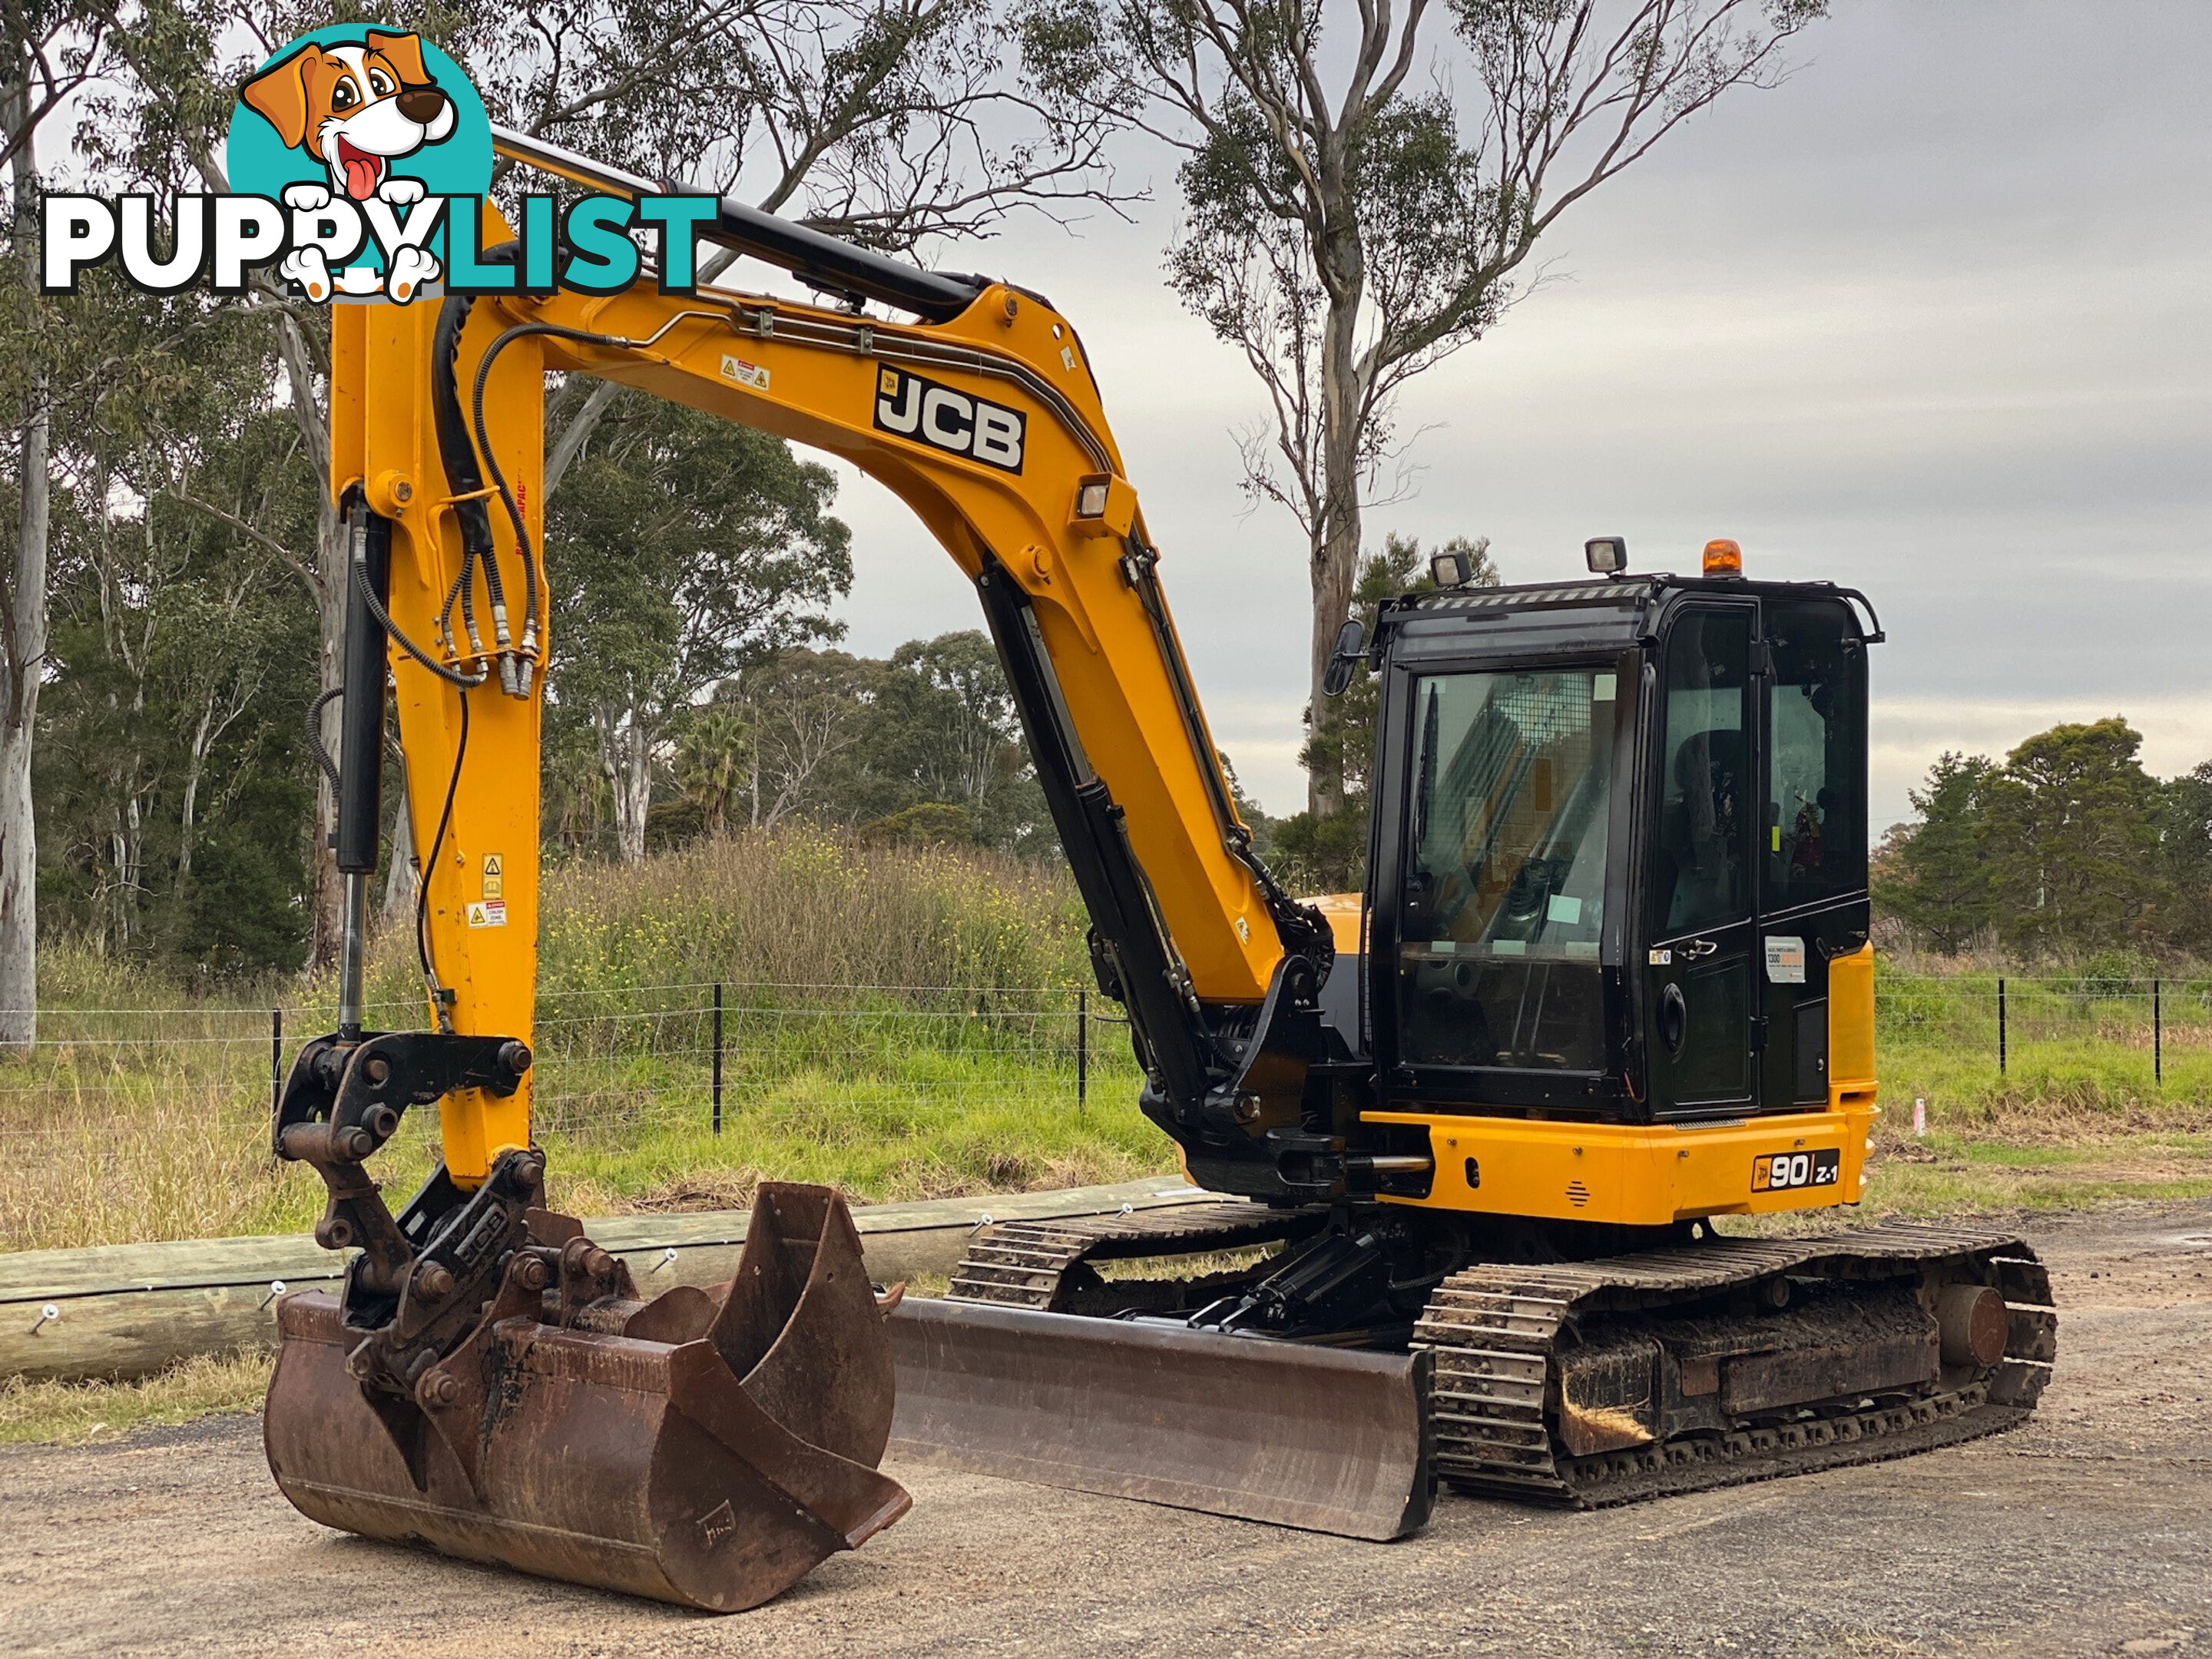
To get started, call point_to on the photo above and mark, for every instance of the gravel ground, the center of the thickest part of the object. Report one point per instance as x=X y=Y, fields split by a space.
x=2088 y=1532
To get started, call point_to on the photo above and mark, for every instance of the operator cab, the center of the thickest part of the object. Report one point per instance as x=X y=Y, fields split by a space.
x=1620 y=833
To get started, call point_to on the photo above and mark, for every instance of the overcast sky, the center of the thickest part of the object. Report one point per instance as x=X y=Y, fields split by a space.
x=1928 y=320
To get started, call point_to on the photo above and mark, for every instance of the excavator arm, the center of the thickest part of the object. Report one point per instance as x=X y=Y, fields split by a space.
x=481 y=1345
x=984 y=417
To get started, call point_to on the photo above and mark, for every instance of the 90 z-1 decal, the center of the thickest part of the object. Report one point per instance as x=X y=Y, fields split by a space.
x=912 y=407
x=1793 y=1170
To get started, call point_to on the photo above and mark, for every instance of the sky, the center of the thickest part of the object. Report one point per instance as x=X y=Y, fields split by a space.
x=1929 y=320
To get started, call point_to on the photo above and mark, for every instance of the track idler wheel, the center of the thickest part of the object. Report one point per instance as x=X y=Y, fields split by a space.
x=705 y=1448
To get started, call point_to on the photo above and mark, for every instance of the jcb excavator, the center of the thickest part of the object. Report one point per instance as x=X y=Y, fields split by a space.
x=1610 y=979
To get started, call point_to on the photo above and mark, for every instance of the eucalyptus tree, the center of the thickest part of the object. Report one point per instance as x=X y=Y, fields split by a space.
x=896 y=122
x=179 y=652
x=689 y=549
x=1363 y=189
x=49 y=52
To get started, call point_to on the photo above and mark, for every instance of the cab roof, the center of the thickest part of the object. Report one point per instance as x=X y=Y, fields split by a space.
x=1604 y=614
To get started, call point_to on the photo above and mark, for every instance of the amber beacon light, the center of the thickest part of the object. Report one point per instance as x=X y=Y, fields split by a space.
x=1723 y=558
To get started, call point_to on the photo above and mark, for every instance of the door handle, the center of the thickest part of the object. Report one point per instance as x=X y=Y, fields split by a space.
x=1696 y=949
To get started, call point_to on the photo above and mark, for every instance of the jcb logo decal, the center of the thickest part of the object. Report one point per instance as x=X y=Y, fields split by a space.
x=1785 y=1170
x=912 y=407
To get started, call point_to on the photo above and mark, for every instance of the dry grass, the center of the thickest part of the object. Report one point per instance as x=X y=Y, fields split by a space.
x=885 y=1030
x=799 y=908
x=894 y=1022
x=175 y=1150
x=72 y=1413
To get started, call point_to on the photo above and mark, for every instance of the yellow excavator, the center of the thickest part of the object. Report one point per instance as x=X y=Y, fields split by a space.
x=1471 y=1131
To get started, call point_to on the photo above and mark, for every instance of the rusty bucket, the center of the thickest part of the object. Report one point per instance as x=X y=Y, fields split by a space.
x=707 y=1448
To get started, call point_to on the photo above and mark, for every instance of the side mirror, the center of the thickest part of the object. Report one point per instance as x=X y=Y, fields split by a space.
x=1351 y=643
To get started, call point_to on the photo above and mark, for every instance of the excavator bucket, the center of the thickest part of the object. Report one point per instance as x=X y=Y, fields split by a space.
x=1328 y=1439
x=707 y=1449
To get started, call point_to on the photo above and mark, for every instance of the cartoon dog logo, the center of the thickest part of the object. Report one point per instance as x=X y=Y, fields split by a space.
x=355 y=108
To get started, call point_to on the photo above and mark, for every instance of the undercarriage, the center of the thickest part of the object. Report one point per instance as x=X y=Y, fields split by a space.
x=1590 y=1365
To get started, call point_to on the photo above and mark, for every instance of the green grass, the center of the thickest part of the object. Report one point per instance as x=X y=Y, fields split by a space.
x=173 y=1143
x=2025 y=1162
x=75 y=1414
x=901 y=1023
x=941 y=1063
x=2078 y=1115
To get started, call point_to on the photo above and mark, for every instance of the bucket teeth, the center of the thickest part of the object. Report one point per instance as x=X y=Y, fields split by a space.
x=704 y=1449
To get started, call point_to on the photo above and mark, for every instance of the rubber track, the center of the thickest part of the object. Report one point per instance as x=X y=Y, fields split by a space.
x=1494 y=1330
x=1024 y=1264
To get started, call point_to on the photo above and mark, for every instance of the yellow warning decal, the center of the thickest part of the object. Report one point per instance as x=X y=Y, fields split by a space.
x=495 y=878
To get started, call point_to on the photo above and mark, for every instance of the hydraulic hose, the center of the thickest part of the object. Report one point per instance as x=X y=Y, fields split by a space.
x=329 y=768
x=464 y=479
x=464 y=441
x=438 y=998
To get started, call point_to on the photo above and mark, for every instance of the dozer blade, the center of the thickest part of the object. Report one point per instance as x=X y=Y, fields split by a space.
x=1328 y=1439
x=702 y=1449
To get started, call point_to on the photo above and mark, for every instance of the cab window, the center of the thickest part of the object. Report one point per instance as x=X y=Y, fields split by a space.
x=1700 y=877
x=1816 y=756
x=1503 y=897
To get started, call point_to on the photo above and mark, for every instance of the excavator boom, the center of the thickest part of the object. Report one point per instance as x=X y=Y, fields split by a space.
x=481 y=1344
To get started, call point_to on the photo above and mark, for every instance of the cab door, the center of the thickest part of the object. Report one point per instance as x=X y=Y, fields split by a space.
x=1813 y=853
x=1700 y=989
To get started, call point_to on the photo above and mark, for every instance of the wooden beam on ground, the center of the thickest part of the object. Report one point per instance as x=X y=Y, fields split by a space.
x=122 y=1310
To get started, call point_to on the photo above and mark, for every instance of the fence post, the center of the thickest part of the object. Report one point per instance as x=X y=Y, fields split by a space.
x=276 y=1062
x=2157 y=1036
x=2001 y=1027
x=1082 y=1050
x=717 y=1056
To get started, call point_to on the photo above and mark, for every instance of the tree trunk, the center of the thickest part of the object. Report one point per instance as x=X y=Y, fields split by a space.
x=634 y=797
x=570 y=443
x=626 y=762
x=19 y=891
x=399 y=879
x=1335 y=568
x=188 y=810
x=130 y=844
x=25 y=645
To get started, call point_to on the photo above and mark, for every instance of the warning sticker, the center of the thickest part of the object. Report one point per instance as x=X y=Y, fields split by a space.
x=494 y=877
x=744 y=373
x=488 y=913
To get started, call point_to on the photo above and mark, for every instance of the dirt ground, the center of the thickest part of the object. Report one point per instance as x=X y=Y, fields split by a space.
x=2087 y=1532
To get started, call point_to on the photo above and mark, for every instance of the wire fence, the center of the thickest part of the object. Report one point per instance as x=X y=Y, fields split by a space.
x=701 y=1053
x=612 y=1060
x=2002 y=1017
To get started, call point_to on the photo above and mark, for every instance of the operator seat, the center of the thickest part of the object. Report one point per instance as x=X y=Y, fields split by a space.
x=1700 y=865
